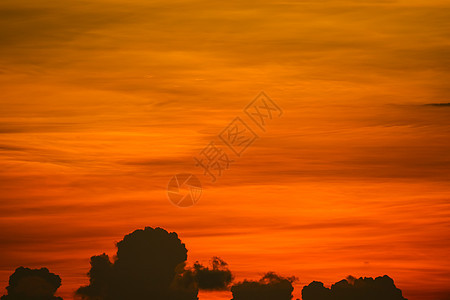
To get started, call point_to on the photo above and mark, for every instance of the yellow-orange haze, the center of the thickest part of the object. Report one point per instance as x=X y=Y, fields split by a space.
x=103 y=101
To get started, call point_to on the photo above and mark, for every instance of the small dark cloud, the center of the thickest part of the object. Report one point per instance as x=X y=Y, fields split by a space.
x=270 y=287
x=149 y=265
x=32 y=284
x=12 y=148
x=367 y=288
x=215 y=277
x=438 y=104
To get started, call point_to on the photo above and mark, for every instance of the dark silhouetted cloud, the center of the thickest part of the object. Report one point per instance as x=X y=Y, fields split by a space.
x=269 y=287
x=216 y=277
x=367 y=288
x=439 y=104
x=99 y=278
x=32 y=284
x=149 y=265
x=316 y=290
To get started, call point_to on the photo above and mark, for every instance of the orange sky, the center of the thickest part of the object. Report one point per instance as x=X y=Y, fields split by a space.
x=101 y=103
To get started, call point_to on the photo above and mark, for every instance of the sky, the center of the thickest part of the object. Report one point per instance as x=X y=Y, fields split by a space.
x=102 y=102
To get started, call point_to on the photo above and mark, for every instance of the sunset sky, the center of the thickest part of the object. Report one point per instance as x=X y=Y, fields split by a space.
x=103 y=102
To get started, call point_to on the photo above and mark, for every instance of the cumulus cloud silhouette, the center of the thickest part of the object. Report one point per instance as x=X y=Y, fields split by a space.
x=149 y=265
x=367 y=288
x=32 y=284
x=317 y=291
x=270 y=287
x=99 y=278
x=216 y=277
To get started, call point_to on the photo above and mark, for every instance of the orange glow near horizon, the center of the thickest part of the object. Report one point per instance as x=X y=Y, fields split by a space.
x=102 y=103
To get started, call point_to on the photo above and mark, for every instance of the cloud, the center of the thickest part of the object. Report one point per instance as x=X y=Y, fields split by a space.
x=99 y=278
x=269 y=287
x=218 y=277
x=380 y=288
x=438 y=104
x=316 y=290
x=149 y=265
x=32 y=284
